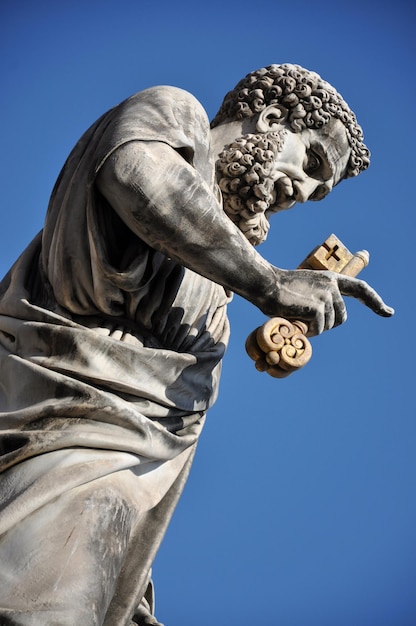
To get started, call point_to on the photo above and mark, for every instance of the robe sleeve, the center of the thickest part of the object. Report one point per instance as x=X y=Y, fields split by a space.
x=76 y=246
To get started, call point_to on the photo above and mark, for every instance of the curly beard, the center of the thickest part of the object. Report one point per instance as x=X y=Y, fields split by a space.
x=244 y=173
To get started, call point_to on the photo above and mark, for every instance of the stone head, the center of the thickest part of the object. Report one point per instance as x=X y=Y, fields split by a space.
x=298 y=139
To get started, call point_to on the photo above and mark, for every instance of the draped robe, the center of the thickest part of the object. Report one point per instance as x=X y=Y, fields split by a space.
x=110 y=356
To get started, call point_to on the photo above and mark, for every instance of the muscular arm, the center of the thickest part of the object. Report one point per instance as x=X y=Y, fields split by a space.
x=166 y=203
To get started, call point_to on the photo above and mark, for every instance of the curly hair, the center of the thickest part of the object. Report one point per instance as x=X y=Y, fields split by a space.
x=310 y=102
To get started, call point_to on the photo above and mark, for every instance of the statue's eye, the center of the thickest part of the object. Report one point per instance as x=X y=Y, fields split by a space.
x=313 y=162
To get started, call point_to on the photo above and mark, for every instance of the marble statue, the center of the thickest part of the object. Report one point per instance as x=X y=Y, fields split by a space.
x=113 y=326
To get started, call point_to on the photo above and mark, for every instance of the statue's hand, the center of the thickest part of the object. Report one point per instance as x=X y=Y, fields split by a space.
x=315 y=297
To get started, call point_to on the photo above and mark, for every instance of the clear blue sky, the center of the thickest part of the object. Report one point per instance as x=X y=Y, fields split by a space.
x=300 y=510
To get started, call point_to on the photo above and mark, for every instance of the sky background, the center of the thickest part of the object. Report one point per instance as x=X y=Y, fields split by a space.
x=300 y=510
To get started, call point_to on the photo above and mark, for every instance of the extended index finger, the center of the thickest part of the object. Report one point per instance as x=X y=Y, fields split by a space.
x=359 y=289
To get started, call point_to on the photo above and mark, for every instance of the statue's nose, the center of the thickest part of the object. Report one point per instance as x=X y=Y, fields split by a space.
x=303 y=189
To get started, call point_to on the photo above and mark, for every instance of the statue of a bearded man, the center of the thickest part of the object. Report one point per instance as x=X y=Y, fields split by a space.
x=113 y=326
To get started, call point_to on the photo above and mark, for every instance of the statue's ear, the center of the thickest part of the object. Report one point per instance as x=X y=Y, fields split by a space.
x=271 y=117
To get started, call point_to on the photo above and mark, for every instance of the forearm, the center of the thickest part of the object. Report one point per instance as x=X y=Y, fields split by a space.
x=166 y=203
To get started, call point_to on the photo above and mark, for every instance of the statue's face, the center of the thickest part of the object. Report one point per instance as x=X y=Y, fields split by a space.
x=266 y=172
x=309 y=164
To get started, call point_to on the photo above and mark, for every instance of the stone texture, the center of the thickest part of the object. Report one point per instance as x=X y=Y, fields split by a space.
x=113 y=326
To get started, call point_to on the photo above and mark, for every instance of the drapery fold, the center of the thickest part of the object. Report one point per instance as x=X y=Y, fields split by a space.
x=110 y=356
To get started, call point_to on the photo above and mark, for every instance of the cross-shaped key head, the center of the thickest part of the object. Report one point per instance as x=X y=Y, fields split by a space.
x=331 y=255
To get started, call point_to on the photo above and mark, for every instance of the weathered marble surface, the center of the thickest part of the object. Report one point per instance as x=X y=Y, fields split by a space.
x=113 y=326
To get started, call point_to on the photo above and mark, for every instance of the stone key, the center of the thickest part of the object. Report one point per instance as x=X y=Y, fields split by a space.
x=280 y=347
x=333 y=255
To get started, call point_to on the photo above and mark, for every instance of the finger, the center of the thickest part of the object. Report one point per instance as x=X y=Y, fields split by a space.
x=339 y=311
x=360 y=290
x=316 y=325
x=330 y=316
